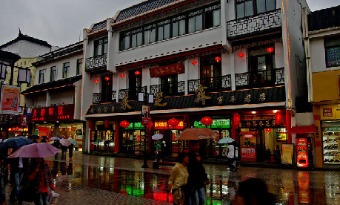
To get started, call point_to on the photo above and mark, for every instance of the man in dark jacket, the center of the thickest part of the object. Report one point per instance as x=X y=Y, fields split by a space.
x=197 y=175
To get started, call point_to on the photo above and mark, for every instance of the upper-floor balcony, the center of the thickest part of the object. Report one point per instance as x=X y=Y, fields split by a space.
x=258 y=24
x=96 y=63
x=247 y=80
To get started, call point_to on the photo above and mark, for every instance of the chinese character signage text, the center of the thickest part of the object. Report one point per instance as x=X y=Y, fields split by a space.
x=54 y=113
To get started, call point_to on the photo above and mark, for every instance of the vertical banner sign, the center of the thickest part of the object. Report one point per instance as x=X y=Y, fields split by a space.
x=145 y=114
x=10 y=99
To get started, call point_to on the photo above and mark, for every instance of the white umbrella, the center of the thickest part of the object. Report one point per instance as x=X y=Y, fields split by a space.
x=65 y=142
x=157 y=136
x=225 y=140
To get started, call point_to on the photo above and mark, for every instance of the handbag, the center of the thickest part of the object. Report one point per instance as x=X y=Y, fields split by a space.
x=178 y=196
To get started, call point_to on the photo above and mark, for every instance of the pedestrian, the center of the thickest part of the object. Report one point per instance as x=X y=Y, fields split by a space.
x=17 y=168
x=179 y=179
x=56 y=144
x=231 y=157
x=39 y=179
x=63 y=151
x=3 y=175
x=70 y=151
x=253 y=191
x=158 y=150
x=197 y=176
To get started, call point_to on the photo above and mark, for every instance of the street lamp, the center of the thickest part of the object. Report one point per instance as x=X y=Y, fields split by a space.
x=146 y=120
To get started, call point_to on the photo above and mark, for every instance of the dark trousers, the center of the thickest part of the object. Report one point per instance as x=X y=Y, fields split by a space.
x=230 y=164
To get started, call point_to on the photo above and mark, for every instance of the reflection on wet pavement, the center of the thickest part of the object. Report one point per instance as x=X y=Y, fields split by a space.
x=90 y=179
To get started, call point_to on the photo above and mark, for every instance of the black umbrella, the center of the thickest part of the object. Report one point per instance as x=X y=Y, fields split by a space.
x=34 y=137
x=17 y=142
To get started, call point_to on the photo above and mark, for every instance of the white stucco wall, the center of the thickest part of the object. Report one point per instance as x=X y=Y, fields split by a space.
x=59 y=64
x=193 y=41
x=27 y=49
x=59 y=98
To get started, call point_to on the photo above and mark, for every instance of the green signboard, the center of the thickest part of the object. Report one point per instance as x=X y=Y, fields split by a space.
x=135 y=126
x=217 y=124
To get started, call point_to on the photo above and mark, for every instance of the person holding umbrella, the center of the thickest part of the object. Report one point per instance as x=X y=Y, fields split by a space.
x=39 y=175
x=3 y=175
x=231 y=156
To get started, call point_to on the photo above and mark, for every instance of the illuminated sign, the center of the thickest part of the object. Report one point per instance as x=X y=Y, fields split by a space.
x=217 y=124
x=53 y=113
x=135 y=126
x=163 y=125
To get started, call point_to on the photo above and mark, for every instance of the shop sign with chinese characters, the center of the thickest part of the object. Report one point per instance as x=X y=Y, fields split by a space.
x=53 y=113
x=163 y=125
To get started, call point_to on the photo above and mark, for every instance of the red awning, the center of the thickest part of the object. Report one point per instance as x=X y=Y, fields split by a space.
x=303 y=129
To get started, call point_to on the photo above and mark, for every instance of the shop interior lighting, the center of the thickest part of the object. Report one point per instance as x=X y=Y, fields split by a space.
x=253 y=112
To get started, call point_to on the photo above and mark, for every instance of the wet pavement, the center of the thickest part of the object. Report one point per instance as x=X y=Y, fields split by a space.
x=89 y=179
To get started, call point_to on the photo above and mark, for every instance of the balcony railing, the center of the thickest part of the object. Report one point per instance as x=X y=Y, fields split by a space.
x=132 y=93
x=253 y=24
x=214 y=84
x=96 y=62
x=101 y=97
x=169 y=89
x=260 y=78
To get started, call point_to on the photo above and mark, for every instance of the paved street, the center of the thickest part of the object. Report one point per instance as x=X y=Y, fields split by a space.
x=92 y=179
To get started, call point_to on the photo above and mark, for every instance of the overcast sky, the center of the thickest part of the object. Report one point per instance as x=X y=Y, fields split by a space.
x=60 y=22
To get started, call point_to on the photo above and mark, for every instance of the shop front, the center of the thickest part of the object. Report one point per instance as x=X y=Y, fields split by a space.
x=261 y=136
x=170 y=129
x=132 y=139
x=222 y=128
x=57 y=121
x=330 y=134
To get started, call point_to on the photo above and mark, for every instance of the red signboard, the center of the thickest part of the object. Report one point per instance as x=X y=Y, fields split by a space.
x=171 y=69
x=53 y=113
x=248 y=154
x=23 y=121
x=327 y=112
x=163 y=125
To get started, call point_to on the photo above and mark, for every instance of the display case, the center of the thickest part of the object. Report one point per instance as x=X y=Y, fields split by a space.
x=331 y=149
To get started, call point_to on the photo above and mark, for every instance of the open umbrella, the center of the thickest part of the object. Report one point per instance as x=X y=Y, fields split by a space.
x=65 y=142
x=35 y=150
x=73 y=141
x=157 y=136
x=16 y=142
x=225 y=140
x=54 y=138
x=197 y=134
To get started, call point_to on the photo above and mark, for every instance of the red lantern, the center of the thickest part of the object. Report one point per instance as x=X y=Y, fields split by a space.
x=236 y=120
x=278 y=118
x=194 y=62
x=137 y=72
x=270 y=49
x=241 y=54
x=206 y=121
x=268 y=130
x=122 y=75
x=95 y=80
x=107 y=78
x=173 y=122
x=217 y=59
x=106 y=124
x=124 y=124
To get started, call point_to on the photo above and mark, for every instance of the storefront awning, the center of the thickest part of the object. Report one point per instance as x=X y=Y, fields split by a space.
x=303 y=129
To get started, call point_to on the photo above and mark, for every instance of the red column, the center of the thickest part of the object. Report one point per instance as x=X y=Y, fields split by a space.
x=289 y=125
x=116 y=136
x=234 y=125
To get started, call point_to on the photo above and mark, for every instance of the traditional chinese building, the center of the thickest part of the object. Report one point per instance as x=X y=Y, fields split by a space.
x=238 y=63
x=55 y=97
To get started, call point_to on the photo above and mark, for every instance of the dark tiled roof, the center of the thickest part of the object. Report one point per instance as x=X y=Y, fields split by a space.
x=141 y=8
x=67 y=82
x=8 y=56
x=275 y=94
x=61 y=52
x=99 y=26
x=27 y=38
x=323 y=19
